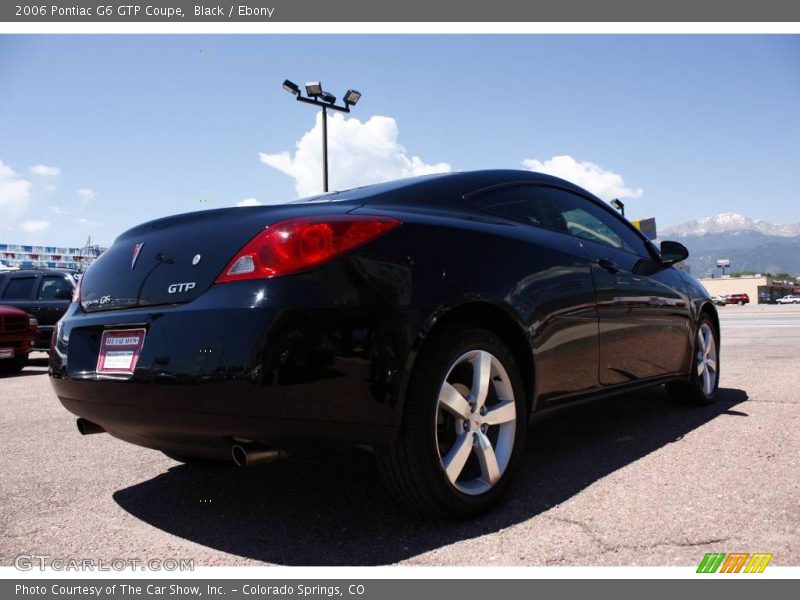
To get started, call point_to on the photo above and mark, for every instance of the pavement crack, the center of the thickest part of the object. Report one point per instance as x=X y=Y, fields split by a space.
x=607 y=547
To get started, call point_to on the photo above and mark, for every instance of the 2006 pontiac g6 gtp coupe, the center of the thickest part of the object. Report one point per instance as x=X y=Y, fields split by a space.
x=427 y=318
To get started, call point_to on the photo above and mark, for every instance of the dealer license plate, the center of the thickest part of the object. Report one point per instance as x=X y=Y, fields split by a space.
x=119 y=351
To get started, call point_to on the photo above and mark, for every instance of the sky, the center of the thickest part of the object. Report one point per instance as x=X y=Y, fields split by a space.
x=100 y=133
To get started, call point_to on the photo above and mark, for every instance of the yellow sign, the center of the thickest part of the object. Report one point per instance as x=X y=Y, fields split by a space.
x=647 y=227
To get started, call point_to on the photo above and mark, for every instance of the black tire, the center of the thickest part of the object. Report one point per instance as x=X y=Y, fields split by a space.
x=12 y=366
x=412 y=468
x=194 y=461
x=692 y=392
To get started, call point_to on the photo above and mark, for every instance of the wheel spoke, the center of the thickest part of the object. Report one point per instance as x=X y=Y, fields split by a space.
x=701 y=342
x=453 y=402
x=708 y=343
x=711 y=364
x=502 y=413
x=490 y=470
x=457 y=456
x=707 y=382
x=481 y=377
x=701 y=367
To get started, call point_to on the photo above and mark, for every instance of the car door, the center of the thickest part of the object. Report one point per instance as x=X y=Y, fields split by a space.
x=554 y=293
x=643 y=306
x=53 y=298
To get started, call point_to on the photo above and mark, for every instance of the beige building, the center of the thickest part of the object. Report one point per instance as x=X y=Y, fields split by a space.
x=761 y=289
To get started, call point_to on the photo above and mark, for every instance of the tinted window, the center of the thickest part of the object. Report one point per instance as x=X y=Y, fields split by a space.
x=51 y=284
x=587 y=221
x=562 y=211
x=19 y=288
x=526 y=204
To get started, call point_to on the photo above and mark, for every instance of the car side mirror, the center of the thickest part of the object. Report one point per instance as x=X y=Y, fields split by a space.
x=673 y=252
x=63 y=294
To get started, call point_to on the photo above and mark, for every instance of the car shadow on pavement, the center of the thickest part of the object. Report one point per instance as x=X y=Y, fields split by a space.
x=334 y=510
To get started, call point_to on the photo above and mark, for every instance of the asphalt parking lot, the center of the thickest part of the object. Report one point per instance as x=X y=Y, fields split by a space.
x=631 y=480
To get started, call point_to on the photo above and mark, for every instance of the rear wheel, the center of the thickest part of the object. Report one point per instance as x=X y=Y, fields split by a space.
x=464 y=426
x=704 y=384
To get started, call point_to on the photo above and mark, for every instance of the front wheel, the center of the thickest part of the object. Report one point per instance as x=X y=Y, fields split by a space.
x=463 y=428
x=704 y=384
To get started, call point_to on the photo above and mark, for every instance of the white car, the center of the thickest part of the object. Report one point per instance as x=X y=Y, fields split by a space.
x=790 y=299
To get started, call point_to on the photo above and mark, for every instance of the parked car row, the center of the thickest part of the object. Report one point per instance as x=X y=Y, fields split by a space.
x=723 y=299
x=31 y=303
x=43 y=293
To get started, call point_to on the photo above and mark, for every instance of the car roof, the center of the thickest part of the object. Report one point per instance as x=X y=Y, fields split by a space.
x=442 y=185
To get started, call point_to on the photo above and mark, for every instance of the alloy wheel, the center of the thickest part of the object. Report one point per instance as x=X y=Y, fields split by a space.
x=476 y=422
x=706 y=359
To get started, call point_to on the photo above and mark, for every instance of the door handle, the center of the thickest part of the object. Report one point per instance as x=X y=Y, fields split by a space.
x=608 y=265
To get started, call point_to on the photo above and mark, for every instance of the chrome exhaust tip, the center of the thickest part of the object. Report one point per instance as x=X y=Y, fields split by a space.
x=87 y=427
x=251 y=455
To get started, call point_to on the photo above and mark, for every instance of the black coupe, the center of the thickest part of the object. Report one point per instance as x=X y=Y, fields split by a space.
x=426 y=318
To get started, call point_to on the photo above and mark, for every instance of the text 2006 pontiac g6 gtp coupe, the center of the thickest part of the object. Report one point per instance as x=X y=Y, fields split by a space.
x=427 y=318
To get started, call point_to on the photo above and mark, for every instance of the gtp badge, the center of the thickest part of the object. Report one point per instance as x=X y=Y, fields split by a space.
x=136 y=250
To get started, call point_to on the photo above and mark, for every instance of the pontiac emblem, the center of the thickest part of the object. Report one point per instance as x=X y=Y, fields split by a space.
x=136 y=250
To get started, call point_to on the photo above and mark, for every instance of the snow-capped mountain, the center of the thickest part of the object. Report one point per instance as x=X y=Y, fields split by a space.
x=750 y=244
x=731 y=222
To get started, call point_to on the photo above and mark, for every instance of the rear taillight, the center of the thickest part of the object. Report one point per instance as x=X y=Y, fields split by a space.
x=298 y=244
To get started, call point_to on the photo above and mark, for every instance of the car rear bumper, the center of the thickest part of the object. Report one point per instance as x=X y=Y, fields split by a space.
x=224 y=368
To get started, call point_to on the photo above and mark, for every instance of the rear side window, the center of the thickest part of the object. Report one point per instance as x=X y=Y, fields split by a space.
x=19 y=288
x=51 y=285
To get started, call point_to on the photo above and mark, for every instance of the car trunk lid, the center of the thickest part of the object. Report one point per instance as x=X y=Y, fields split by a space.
x=176 y=259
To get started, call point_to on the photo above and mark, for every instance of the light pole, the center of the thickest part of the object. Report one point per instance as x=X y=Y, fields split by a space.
x=318 y=97
x=616 y=203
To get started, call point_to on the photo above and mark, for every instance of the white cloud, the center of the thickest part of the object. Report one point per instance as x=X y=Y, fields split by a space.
x=15 y=192
x=34 y=226
x=87 y=222
x=602 y=183
x=248 y=202
x=58 y=210
x=86 y=193
x=45 y=170
x=358 y=154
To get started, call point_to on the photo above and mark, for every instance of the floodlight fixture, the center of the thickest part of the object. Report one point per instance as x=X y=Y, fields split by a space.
x=352 y=97
x=291 y=87
x=313 y=89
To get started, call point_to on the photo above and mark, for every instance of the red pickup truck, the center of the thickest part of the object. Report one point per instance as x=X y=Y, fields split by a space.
x=17 y=337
